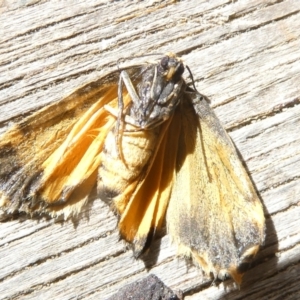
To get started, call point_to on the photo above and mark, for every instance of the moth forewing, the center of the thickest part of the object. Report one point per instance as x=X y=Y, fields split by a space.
x=32 y=151
x=214 y=214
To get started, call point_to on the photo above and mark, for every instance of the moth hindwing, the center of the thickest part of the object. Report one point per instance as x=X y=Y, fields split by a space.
x=156 y=152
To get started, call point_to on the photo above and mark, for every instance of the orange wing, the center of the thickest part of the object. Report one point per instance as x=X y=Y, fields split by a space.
x=214 y=214
x=49 y=161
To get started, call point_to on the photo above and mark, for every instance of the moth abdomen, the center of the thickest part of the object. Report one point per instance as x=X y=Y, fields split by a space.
x=119 y=173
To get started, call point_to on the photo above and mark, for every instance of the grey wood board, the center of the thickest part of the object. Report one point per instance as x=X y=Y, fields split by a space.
x=244 y=56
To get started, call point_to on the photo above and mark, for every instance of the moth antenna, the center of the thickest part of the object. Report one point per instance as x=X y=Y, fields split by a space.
x=192 y=77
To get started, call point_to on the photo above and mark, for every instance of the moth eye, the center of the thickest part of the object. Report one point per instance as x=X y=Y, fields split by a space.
x=164 y=62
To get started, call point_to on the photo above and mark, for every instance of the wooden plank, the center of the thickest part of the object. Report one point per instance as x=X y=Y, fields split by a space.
x=244 y=56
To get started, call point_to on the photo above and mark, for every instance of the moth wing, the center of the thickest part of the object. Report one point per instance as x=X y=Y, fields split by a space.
x=145 y=212
x=214 y=213
x=52 y=154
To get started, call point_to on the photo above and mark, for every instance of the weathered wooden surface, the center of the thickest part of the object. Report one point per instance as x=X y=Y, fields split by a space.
x=245 y=56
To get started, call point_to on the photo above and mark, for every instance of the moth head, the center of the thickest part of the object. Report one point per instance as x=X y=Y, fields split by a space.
x=158 y=92
x=172 y=67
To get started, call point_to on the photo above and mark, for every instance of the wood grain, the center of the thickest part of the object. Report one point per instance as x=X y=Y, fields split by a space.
x=245 y=56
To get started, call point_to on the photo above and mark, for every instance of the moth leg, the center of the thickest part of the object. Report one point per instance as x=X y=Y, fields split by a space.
x=124 y=78
x=128 y=120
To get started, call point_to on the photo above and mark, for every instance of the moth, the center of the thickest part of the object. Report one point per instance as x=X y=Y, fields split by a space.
x=156 y=152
